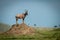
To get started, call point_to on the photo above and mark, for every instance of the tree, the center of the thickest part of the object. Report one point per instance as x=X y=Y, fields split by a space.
x=34 y=24
x=55 y=26
x=59 y=26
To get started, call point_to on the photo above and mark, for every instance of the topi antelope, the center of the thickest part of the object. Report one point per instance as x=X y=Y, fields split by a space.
x=21 y=16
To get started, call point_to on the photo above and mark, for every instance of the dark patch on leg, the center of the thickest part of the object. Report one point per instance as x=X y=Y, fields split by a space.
x=17 y=25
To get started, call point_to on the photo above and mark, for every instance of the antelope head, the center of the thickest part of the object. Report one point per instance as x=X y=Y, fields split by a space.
x=26 y=13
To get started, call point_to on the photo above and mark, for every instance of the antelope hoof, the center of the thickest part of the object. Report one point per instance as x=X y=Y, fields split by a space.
x=17 y=25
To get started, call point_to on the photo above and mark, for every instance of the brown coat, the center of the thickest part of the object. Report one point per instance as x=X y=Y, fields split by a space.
x=21 y=16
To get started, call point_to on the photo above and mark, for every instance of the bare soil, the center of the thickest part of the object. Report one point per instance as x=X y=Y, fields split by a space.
x=21 y=29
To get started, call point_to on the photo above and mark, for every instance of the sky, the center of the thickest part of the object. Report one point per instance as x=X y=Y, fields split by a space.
x=44 y=13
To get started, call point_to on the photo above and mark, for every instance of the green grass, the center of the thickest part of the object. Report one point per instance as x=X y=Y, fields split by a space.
x=39 y=35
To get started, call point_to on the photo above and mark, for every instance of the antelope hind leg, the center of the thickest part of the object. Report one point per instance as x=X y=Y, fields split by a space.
x=16 y=21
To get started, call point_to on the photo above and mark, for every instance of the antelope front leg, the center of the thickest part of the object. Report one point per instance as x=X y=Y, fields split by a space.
x=23 y=20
